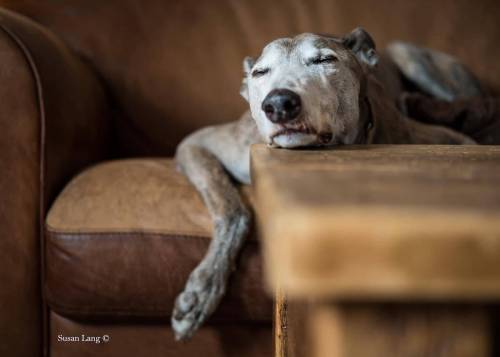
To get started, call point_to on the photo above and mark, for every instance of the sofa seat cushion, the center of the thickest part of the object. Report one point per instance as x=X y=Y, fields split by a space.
x=122 y=238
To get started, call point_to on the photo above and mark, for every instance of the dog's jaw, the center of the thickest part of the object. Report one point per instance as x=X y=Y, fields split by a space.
x=290 y=140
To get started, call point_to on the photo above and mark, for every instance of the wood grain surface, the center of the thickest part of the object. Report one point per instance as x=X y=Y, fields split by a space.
x=381 y=222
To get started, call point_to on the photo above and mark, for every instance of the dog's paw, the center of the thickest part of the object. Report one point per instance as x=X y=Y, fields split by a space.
x=203 y=292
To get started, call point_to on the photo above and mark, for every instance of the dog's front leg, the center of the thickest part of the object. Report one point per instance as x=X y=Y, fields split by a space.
x=207 y=283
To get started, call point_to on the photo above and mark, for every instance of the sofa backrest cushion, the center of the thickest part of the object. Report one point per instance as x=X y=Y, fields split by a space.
x=174 y=66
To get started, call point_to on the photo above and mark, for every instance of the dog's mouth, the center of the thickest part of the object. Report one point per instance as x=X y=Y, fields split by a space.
x=290 y=131
x=323 y=138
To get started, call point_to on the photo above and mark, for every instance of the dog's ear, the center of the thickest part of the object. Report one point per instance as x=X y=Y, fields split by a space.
x=248 y=63
x=361 y=43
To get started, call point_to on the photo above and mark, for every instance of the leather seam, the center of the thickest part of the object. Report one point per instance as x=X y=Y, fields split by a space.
x=53 y=230
x=127 y=311
x=118 y=235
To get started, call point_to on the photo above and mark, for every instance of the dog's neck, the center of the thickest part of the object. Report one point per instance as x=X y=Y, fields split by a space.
x=366 y=118
x=380 y=120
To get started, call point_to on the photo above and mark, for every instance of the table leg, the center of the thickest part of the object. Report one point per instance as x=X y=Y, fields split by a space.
x=380 y=330
x=280 y=325
x=291 y=334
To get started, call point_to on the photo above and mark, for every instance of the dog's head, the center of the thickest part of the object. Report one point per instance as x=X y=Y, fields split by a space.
x=304 y=91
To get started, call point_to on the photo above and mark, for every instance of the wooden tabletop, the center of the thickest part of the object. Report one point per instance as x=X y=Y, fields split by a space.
x=380 y=222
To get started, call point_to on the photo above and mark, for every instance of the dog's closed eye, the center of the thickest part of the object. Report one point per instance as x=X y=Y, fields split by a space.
x=260 y=72
x=322 y=59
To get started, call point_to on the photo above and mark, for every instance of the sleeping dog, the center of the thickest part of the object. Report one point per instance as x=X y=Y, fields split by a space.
x=307 y=91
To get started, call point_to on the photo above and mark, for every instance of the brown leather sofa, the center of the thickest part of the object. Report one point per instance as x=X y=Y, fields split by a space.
x=97 y=230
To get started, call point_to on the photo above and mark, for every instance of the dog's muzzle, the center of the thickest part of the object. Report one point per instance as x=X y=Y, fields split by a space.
x=282 y=106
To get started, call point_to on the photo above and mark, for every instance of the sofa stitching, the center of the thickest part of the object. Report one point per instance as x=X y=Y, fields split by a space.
x=106 y=311
x=118 y=235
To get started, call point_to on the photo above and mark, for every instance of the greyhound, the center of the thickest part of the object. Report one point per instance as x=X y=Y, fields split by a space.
x=310 y=90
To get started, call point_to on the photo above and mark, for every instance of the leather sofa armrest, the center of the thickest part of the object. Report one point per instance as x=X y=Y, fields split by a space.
x=54 y=120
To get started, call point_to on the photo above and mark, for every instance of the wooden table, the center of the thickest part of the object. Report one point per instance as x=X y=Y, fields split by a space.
x=381 y=250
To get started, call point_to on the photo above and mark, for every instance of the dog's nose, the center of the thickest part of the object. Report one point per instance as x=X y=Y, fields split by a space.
x=281 y=105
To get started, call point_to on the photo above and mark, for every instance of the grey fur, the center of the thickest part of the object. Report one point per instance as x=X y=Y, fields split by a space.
x=436 y=73
x=209 y=158
x=213 y=157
